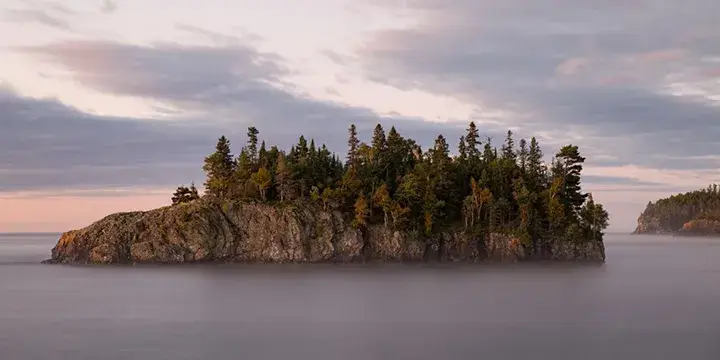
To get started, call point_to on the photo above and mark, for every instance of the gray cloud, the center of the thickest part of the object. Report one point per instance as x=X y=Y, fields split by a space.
x=35 y=16
x=231 y=86
x=564 y=68
x=47 y=145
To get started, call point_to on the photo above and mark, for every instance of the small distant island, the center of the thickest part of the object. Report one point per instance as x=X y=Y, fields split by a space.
x=691 y=213
x=388 y=200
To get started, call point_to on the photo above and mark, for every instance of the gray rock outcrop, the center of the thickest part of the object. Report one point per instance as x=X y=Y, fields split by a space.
x=206 y=230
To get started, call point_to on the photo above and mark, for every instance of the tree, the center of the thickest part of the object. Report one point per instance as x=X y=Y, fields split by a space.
x=263 y=159
x=522 y=155
x=535 y=166
x=379 y=142
x=462 y=148
x=382 y=199
x=262 y=180
x=252 y=144
x=472 y=139
x=433 y=191
x=353 y=143
x=567 y=167
x=184 y=195
x=219 y=167
x=283 y=178
x=330 y=198
x=362 y=211
x=508 y=149
x=489 y=153
x=594 y=217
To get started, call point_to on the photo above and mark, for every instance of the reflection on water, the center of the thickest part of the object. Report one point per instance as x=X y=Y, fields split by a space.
x=655 y=298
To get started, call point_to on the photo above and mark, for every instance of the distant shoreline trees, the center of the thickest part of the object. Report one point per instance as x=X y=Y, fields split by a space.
x=672 y=213
x=393 y=182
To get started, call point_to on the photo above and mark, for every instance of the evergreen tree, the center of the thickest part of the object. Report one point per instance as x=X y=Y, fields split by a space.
x=434 y=191
x=508 y=149
x=522 y=155
x=379 y=142
x=353 y=143
x=462 y=149
x=568 y=166
x=252 y=144
x=535 y=160
x=219 y=168
x=472 y=139
x=283 y=178
x=184 y=194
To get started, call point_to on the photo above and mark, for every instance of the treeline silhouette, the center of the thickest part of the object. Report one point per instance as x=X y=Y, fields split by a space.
x=673 y=212
x=393 y=182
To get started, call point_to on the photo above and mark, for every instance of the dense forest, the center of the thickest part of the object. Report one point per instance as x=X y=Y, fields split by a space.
x=675 y=212
x=392 y=182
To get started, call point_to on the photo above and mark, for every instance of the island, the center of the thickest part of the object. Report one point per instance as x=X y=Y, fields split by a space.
x=687 y=214
x=387 y=201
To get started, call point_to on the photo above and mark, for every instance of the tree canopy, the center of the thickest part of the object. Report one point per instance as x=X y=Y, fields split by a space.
x=673 y=212
x=391 y=182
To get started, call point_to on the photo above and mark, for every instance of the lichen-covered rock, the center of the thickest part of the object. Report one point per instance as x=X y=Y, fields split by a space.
x=207 y=230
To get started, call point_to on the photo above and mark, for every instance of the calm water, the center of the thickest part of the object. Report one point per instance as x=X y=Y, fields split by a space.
x=655 y=298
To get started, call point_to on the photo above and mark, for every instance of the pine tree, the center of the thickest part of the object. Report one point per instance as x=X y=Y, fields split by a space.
x=508 y=149
x=568 y=166
x=353 y=143
x=489 y=153
x=462 y=148
x=219 y=168
x=472 y=139
x=252 y=144
x=522 y=155
x=263 y=159
x=379 y=142
x=433 y=191
x=184 y=194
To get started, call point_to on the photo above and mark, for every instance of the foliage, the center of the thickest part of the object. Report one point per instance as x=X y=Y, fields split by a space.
x=393 y=181
x=673 y=212
x=185 y=194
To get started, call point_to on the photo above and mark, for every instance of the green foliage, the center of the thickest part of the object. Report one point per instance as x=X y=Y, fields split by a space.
x=219 y=167
x=262 y=179
x=422 y=191
x=185 y=194
x=673 y=212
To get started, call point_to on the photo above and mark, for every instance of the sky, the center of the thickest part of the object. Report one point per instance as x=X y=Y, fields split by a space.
x=108 y=106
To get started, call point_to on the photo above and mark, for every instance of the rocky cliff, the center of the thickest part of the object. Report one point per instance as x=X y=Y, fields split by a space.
x=206 y=230
x=650 y=225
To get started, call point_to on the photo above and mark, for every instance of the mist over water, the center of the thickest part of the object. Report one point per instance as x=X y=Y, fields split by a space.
x=655 y=298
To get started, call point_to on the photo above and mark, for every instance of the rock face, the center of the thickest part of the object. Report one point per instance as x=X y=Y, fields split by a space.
x=205 y=230
x=651 y=226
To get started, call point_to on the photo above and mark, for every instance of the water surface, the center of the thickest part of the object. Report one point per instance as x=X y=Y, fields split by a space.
x=655 y=298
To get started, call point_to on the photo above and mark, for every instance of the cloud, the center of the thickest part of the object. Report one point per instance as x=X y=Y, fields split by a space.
x=108 y=6
x=224 y=88
x=47 y=145
x=571 y=66
x=36 y=16
x=640 y=88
